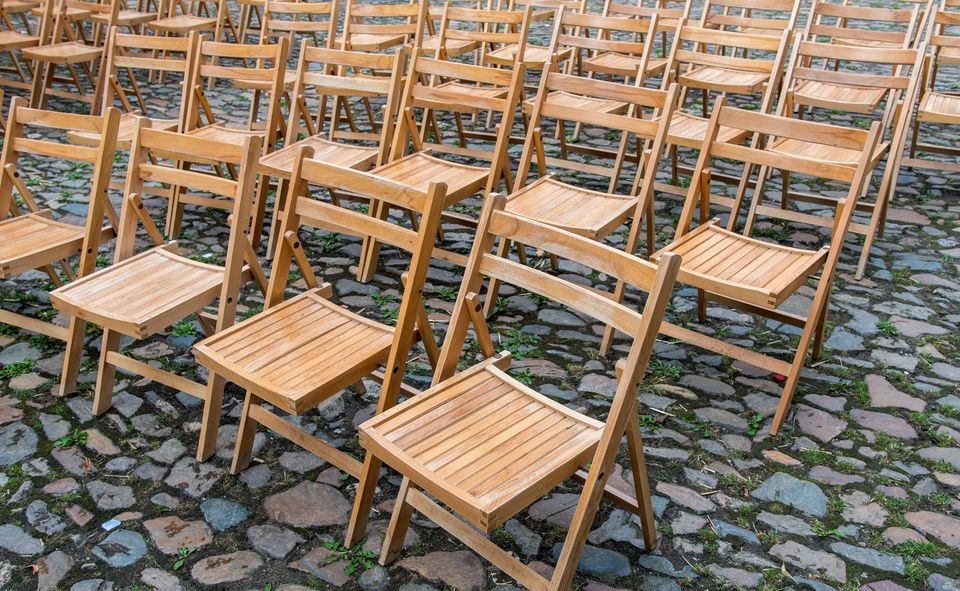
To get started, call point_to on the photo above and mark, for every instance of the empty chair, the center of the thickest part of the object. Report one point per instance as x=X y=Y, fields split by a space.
x=66 y=47
x=855 y=87
x=698 y=63
x=128 y=54
x=33 y=239
x=485 y=446
x=264 y=75
x=339 y=83
x=623 y=46
x=182 y=17
x=142 y=294
x=755 y=275
x=864 y=26
x=298 y=353
x=379 y=27
x=939 y=104
x=13 y=41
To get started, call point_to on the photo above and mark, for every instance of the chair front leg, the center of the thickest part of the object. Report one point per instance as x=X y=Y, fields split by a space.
x=245 y=435
x=399 y=522
x=210 y=424
x=364 y=501
x=72 y=356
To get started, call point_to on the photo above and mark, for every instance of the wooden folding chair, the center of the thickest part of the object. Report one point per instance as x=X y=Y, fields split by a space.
x=459 y=44
x=864 y=26
x=66 y=47
x=182 y=17
x=264 y=77
x=142 y=294
x=855 y=87
x=621 y=46
x=938 y=105
x=130 y=19
x=486 y=446
x=379 y=27
x=697 y=62
x=13 y=42
x=29 y=236
x=435 y=85
x=342 y=81
x=757 y=17
x=756 y=275
x=318 y=20
x=668 y=18
x=536 y=57
x=471 y=28
x=147 y=54
x=300 y=352
x=636 y=113
x=19 y=8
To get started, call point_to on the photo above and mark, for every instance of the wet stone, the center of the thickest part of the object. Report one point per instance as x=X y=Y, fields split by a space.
x=51 y=569
x=273 y=540
x=42 y=520
x=822 y=563
x=168 y=452
x=256 y=476
x=193 y=478
x=110 y=497
x=226 y=568
x=169 y=534
x=17 y=442
x=869 y=558
x=300 y=461
x=14 y=539
x=598 y=562
x=461 y=570
x=308 y=504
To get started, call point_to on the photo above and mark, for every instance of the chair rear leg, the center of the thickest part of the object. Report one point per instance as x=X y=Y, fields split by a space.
x=399 y=522
x=72 y=356
x=641 y=484
x=493 y=288
x=210 y=424
x=106 y=373
x=245 y=436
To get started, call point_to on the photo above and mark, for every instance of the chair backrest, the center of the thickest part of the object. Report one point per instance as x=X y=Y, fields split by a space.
x=302 y=210
x=405 y=20
x=145 y=54
x=289 y=19
x=496 y=223
x=945 y=34
x=344 y=78
x=163 y=157
x=669 y=15
x=846 y=23
x=770 y=129
x=212 y=64
x=753 y=16
x=490 y=28
x=23 y=122
x=645 y=117
x=585 y=35
x=172 y=8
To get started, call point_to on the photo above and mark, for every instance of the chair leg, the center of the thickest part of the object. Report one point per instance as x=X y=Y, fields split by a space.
x=210 y=424
x=399 y=522
x=245 y=435
x=260 y=208
x=641 y=484
x=106 y=373
x=364 y=501
x=72 y=356
x=820 y=329
x=701 y=306
x=275 y=218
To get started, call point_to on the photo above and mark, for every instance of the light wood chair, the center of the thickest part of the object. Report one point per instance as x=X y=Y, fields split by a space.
x=182 y=17
x=755 y=275
x=127 y=55
x=460 y=43
x=20 y=9
x=432 y=86
x=30 y=238
x=13 y=42
x=620 y=47
x=342 y=82
x=379 y=27
x=300 y=352
x=130 y=19
x=264 y=76
x=465 y=29
x=66 y=47
x=536 y=57
x=859 y=86
x=318 y=20
x=644 y=117
x=697 y=62
x=757 y=17
x=485 y=446
x=142 y=294
x=938 y=105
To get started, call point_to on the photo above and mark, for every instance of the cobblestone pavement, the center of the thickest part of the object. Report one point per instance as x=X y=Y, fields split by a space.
x=859 y=491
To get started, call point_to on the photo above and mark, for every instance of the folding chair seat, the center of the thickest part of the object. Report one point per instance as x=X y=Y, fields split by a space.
x=182 y=17
x=688 y=130
x=30 y=238
x=298 y=353
x=421 y=168
x=183 y=24
x=820 y=153
x=132 y=20
x=618 y=64
x=826 y=95
x=126 y=129
x=759 y=276
x=569 y=100
x=486 y=446
x=589 y=213
x=483 y=443
x=720 y=79
x=10 y=40
x=142 y=294
x=939 y=107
